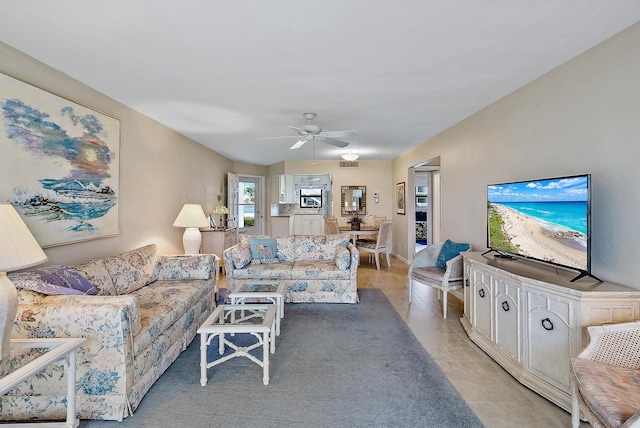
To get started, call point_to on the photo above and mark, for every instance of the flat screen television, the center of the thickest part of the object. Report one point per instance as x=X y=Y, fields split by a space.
x=546 y=220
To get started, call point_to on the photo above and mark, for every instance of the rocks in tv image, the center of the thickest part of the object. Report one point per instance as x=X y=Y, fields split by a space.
x=543 y=219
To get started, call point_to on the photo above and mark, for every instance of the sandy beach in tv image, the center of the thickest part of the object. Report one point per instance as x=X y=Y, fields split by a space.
x=543 y=219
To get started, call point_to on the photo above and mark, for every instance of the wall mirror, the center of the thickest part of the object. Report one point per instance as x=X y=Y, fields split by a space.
x=353 y=201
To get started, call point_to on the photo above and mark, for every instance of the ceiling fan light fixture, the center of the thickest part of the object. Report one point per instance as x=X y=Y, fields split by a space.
x=349 y=156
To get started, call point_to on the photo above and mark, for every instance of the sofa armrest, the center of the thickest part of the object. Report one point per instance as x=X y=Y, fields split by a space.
x=104 y=360
x=355 y=260
x=227 y=258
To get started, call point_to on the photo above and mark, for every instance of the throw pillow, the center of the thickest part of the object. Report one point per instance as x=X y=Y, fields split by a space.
x=448 y=251
x=241 y=256
x=263 y=249
x=53 y=280
x=343 y=257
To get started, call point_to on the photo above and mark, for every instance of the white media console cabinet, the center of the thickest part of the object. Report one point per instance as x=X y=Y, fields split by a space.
x=531 y=319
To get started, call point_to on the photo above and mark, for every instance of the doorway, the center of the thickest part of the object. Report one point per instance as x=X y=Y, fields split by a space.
x=250 y=202
x=424 y=220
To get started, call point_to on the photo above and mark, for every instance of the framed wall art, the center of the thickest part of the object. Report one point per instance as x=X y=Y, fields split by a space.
x=400 y=201
x=59 y=166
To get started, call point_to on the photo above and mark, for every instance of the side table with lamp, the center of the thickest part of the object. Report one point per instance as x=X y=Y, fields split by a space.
x=20 y=250
x=218 y=238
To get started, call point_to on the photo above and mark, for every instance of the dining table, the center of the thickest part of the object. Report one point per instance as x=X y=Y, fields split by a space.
x=364 y=231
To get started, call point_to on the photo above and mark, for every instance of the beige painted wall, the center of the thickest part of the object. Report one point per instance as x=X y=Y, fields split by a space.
x=582 y=117
x=160 y=170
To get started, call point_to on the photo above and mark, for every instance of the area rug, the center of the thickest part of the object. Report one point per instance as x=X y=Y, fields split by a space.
x=335 y=365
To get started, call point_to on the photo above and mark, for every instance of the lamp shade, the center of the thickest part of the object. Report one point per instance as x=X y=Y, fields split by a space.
x=191 y=215
x=221 y=209
x=18 y=248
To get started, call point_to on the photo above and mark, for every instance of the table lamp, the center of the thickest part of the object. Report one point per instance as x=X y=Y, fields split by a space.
x=192 y=218
x=221 y=210
x=18 y=250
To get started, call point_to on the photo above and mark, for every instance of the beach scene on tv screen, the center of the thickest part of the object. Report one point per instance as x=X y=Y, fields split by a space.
x=542 y=219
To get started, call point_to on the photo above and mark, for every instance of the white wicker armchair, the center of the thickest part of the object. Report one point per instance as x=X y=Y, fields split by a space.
x=424 y=270
x=605 y=377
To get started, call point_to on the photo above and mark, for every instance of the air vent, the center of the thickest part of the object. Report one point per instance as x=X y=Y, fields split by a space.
x=349 y=164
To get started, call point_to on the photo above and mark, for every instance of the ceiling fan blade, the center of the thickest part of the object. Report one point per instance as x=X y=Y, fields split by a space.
x=299 y=144
x=294 y=127
x=339 y=134
x=334 y=142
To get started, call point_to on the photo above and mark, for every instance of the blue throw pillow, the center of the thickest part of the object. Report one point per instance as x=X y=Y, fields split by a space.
x=264 y=249
x=448 y=251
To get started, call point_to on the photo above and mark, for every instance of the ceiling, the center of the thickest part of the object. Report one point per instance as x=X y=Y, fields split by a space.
x=225 y=73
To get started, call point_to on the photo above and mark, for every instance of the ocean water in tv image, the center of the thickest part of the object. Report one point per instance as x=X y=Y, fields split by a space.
x=556 y=215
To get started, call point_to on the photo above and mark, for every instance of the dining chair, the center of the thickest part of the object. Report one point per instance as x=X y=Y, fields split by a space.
x=331 y=226
x=381 y=245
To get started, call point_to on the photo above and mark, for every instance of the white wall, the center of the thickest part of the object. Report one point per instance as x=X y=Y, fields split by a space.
x=160 y=170
x=583 y=117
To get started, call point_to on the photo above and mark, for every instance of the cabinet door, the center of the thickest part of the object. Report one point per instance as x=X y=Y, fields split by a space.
x=507 y=317
x=550 y=322
x=481 y=301
x=467 y=291
x=314 y=225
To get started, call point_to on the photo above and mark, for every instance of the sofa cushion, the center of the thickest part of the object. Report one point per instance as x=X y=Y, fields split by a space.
x=133 y=269
x=448 y=251
x=184 y=267
x=162 y=303
x=318 y=269
x=343 y=257
x=53 y=280
x=611 y=392
x=280 y=270
x=97 y=274
x=318 y=247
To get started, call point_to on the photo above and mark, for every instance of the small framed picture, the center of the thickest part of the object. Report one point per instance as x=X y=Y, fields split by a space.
x=400 y=200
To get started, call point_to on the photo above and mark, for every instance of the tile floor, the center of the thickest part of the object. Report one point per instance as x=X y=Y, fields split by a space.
x=493 y=394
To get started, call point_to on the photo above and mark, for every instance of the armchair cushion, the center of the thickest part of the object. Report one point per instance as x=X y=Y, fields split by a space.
x=610 y=392
x=449 y=250
x=53 y=280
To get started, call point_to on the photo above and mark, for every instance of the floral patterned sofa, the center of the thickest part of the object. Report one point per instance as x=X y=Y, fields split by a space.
x=314 y=268
x=138 y=312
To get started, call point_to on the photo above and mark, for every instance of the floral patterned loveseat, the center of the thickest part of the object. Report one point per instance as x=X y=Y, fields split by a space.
x=144 y=311
x=314 y=268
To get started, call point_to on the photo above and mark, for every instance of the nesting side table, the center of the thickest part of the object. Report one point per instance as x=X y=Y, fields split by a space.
x=261 y=291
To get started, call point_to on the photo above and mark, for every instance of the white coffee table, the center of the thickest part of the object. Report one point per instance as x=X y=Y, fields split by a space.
x=257 y=320
x=261 y=291
x=58 y=350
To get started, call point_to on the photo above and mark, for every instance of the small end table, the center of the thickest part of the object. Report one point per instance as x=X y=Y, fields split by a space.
x=271 y=291
x=257 y=320
x=57 y=350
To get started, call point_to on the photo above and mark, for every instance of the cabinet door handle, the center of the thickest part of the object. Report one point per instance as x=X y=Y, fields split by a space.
x=505 y=306
x=466 y=282
x=481 y=292
x=547 y=324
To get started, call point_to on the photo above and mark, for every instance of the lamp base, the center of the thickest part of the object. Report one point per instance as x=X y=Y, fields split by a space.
x=191 y=240
x=8 y=309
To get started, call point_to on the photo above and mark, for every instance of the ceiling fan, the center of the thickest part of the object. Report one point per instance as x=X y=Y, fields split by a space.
x=311 y=132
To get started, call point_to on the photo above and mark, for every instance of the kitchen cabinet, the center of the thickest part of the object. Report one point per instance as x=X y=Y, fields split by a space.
x=532 y=319
x=283 y=189
x=281 y=225
x=308 y=224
